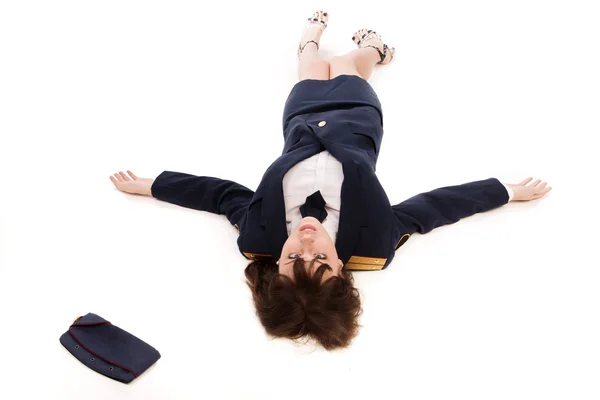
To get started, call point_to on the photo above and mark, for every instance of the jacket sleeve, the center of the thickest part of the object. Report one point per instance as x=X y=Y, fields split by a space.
x=427 y=211
x=203 y=193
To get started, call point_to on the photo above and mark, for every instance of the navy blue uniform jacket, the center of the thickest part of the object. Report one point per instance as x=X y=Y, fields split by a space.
x=344 y=117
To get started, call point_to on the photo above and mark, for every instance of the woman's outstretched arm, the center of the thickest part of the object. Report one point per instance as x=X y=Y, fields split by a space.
x=201 y=193
x=427 y=211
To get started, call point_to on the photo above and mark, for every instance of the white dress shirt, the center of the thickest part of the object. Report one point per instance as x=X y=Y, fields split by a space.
x=319 y=172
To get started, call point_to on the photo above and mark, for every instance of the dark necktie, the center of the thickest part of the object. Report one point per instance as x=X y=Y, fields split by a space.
x=314 y=207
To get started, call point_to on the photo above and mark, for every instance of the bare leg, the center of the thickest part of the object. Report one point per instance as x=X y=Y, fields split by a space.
x=361 y=62
x=311 y=65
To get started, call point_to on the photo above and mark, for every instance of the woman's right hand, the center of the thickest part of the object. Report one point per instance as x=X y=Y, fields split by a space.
x=132 y=184
x=523 y=192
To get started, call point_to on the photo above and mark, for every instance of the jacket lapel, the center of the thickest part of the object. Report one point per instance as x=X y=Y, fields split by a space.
x=352 y=212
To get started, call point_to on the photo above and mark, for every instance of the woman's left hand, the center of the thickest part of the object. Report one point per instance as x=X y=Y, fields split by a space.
x=523 y=192
x=132 y=184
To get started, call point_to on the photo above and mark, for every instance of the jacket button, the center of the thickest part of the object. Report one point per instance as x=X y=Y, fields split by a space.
x=322 y=124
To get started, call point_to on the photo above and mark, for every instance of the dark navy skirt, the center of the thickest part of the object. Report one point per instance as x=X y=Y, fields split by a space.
x=343 y=111
x=340 y=93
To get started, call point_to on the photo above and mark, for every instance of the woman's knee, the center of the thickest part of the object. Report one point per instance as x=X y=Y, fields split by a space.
x=338 y=61
x=321 y=65
x=342 y=65
x=314 y=68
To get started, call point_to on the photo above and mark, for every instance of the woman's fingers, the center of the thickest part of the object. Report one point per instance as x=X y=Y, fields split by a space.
x=125 y=183
x=535 y=183
x=135 y=178
x=540 y=193
x=125 y=177
x=118 y=184
x=543 y=185
x=525 y=181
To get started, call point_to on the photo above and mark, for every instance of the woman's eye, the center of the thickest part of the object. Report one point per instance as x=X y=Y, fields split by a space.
x=293 y=256
x=321 y=256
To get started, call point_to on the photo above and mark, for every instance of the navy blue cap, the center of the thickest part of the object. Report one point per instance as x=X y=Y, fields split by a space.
x=108 y=349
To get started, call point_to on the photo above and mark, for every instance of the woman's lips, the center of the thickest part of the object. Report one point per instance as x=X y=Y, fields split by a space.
x=308 y=226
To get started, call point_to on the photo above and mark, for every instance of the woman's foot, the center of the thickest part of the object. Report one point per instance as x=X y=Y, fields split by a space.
x=312 y=32
x=367 y=38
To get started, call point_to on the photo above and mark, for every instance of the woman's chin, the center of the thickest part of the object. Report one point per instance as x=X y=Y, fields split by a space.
x=310 y=220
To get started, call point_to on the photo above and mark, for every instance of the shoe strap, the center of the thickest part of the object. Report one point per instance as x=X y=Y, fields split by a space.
x=301 y=48
x=382 y=55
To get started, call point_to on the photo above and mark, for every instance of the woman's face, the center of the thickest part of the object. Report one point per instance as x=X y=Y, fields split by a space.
x=309 y=240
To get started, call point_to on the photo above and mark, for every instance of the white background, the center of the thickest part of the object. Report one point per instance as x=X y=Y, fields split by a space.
x=502 y=305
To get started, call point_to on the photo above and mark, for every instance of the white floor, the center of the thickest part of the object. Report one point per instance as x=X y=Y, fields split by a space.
x=499 y=306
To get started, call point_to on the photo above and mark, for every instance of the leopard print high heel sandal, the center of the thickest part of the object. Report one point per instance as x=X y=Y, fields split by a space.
x=362 y=36
x=319 y=19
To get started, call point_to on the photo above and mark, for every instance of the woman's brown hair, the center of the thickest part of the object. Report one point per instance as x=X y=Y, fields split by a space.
x=304 y=306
